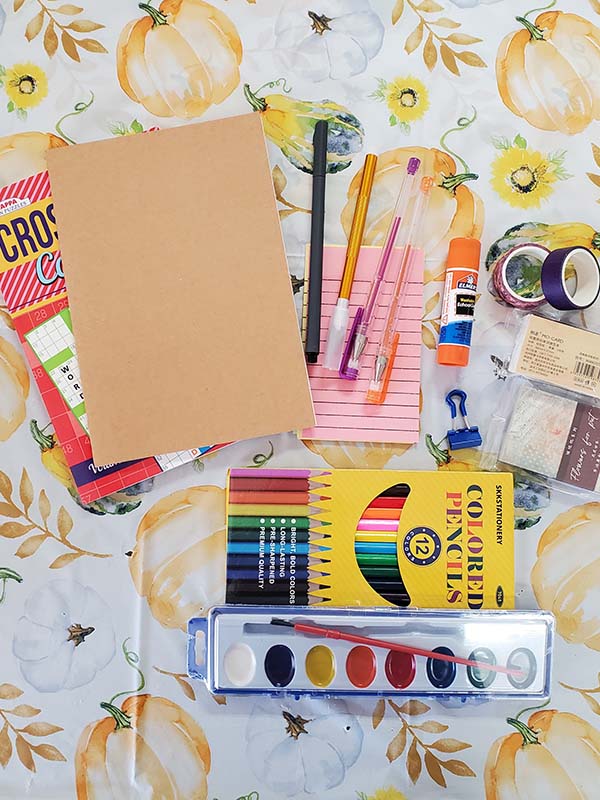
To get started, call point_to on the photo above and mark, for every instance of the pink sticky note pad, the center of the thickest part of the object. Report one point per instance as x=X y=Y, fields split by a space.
x=341 y=410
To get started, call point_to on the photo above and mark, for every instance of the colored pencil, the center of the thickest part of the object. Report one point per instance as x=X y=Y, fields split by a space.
x=377 y=525
x=382 y=585
x=277 y=473
x=382 y=513
x=240 y=535
x=388 y=502
x=398 y=490
x=299 y=522
x=257 y=484
x=276 y=588
x=399 y=599
x=270 y=591
x=245 y=573
x=289 y=548
x=388 y=572
x=301 y=560
x=298 y=566
x=376 y=536
x=331 y=633
x=377 y=559
x=394 y=594
x=256 y=598
x=375 y=547
x=258 y=510
x=275 y=498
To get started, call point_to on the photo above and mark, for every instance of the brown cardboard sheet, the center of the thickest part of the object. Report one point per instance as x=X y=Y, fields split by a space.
x=182 y=308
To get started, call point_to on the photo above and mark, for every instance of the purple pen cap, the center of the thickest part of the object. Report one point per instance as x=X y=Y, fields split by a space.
x=345 y=371
x=413 y=165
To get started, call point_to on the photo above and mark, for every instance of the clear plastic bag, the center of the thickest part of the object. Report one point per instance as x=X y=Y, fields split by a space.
x=547 y=433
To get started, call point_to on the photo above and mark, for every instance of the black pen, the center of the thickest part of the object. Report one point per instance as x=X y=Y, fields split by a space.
x=315 y=279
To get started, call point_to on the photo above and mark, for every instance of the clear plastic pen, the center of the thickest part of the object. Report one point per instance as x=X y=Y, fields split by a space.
x=407 y=239
x=359 y=333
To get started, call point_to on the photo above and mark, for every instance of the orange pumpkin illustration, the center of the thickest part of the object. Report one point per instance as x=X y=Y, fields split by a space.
x=547 y=72
x=356 y=455
x=178 y=563
x=14 y=389
x=150 y=745
x=555 y=756
x=454 y=209
x=566 y=575
x=179 y=59
x=24 y=154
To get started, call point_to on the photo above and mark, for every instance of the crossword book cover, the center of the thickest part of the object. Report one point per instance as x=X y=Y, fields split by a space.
x=33 y=286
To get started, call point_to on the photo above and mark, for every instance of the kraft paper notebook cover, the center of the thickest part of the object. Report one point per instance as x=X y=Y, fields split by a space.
x=179 y=291
x=340 y=407
x=33 y=287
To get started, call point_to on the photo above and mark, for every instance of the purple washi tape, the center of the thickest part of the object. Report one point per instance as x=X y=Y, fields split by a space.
x=586 y=280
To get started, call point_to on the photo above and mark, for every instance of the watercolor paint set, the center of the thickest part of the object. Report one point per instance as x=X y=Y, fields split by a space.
x=372 y=651
x=370 y=538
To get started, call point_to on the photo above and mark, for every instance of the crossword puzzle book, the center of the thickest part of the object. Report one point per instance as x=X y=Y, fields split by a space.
x=33 y=286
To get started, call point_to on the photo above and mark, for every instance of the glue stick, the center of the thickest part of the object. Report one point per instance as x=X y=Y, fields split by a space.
x=458 y=305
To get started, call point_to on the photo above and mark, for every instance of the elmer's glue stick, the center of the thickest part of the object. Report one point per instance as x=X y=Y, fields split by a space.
x=458 y=306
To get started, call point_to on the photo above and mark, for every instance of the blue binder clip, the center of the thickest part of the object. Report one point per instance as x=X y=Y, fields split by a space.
x=458 y=438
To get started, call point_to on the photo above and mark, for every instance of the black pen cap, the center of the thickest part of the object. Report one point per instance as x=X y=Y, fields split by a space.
x=320 y=148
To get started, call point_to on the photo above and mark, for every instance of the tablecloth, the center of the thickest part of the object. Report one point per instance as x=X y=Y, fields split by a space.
x=94 y=697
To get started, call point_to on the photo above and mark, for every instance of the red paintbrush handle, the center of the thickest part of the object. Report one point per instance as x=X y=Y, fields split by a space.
x=330 y=633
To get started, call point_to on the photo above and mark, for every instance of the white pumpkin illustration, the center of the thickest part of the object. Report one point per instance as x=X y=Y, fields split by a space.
x=65 y=636
x=319 y=39
x=305 y=745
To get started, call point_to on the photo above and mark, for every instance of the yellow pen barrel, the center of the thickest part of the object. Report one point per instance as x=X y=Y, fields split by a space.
x=358 y=225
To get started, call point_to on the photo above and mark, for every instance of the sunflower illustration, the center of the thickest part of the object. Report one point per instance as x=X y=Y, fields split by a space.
x=383 y=794
x=523 y=177
x=25 y=85
x=406 y=97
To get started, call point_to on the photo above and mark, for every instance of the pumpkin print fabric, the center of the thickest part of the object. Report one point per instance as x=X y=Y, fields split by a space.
x=501 y=101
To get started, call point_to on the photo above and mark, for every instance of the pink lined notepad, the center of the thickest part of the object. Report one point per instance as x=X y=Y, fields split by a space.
x=340 y=407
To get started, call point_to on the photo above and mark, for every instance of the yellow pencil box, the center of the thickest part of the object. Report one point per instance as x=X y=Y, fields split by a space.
x=370 y=538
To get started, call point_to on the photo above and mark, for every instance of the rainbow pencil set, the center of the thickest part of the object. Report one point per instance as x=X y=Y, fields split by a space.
x=302 y=537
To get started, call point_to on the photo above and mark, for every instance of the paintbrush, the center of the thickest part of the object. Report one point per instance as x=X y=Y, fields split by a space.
x=332 y=633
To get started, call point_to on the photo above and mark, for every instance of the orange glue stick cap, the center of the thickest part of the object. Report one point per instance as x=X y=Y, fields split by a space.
x=464 y=252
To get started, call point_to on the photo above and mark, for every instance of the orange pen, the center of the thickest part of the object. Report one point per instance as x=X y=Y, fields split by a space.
x=336 y=336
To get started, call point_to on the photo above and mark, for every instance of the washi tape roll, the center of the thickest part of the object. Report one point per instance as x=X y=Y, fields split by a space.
x=558 y=265
x=517 y=276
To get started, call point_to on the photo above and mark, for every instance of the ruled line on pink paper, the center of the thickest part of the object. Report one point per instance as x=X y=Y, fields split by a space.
x=340 y=408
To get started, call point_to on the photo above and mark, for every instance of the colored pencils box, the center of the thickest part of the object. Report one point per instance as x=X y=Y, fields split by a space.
x=370 y=537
